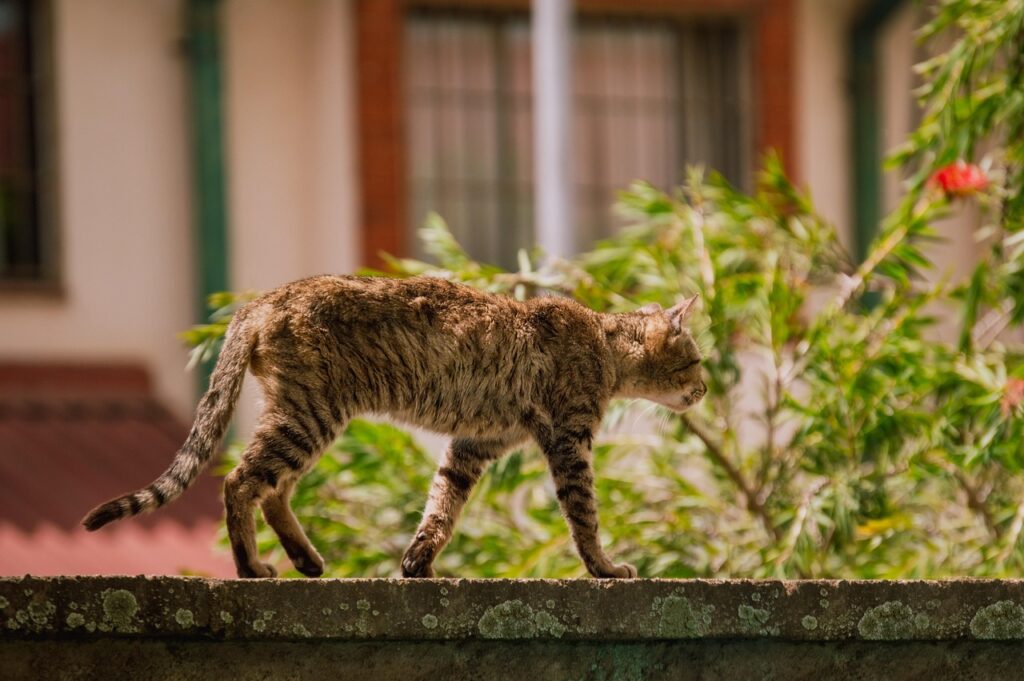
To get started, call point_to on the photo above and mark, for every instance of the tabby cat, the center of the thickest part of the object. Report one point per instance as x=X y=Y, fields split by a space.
x=488 y=370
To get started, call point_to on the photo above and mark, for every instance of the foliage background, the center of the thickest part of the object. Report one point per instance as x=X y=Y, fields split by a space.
x=842 y=436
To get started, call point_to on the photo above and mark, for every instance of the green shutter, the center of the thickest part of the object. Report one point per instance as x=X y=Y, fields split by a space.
x=210 y=204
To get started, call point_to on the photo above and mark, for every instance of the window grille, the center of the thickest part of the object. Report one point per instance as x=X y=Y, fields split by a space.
x=650 y=97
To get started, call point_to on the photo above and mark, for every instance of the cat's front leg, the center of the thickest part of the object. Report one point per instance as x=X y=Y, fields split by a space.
x=569 y=457
x=460 y=469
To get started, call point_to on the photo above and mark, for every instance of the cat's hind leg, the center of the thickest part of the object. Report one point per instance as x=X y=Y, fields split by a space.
x=243 y=488
x=279 y=515
x=281 y=449
x=463 y=464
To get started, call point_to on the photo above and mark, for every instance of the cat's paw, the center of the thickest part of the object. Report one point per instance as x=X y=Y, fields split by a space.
x=418 y=558
x=624 y=571
x=416 y=569
x=259 y=571
x=423 y=573
x=311 y=565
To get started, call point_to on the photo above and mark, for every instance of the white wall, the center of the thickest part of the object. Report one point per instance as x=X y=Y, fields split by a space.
x=291 y=145
x=124 y=192
x=822 y=108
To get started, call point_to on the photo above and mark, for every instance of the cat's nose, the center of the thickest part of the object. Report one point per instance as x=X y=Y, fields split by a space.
x=698 y=393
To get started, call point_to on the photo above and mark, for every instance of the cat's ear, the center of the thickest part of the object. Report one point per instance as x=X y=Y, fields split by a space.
x=681 y=310
x=650 y=308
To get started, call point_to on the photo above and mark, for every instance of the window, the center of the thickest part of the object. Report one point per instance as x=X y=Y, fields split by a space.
x=23 y=244
x=650 y=97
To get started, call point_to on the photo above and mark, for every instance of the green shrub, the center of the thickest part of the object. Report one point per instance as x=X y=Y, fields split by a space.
x=841 y=435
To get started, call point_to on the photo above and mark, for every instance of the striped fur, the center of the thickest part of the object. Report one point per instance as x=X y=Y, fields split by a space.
x=487 y=370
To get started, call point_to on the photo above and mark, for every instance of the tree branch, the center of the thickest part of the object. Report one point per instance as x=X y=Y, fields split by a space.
x=798 y=521
x=975 y=497
x=753 y=504
x=1012 y=535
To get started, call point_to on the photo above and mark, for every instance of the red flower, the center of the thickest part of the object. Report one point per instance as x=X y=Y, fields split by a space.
x=959 y=179
x=1013 y=395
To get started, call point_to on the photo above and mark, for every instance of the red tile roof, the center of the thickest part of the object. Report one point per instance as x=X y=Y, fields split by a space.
x=72 y=437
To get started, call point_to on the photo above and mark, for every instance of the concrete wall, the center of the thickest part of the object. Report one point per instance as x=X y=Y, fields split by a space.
x=124 y=198
x=177 y=628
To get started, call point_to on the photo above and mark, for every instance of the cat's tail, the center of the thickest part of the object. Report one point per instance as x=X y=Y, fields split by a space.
x=212 y=417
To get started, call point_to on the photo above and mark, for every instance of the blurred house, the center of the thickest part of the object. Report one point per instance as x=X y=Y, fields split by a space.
x=152 y=151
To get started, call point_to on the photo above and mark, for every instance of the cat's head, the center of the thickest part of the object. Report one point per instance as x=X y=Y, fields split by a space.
x=663 y=360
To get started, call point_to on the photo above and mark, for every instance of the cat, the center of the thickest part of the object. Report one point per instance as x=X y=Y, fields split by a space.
x=488 y=370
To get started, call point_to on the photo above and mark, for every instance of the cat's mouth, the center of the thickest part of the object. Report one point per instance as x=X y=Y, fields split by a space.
x=681 y=403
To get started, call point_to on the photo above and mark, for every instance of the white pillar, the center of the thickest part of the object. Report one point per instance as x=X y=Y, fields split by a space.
x=554 y=226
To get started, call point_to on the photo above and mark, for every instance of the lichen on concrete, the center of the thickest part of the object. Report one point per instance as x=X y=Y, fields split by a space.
x=260 y=623
x=40 y=612
x=511 y=619
x=75 y=620
x=753 y=620
x=514 y=619
x=809 y=622
x=184 y=618
x=119 y=611
x=678 y=617
x=1000 y=621
x=548 y=623
x=429 y=621
x=892 y=620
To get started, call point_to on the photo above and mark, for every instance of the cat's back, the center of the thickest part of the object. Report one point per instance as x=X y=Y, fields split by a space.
x=415 y=305
x=428 y=351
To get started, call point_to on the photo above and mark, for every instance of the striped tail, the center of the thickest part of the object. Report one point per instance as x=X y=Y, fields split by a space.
x=212 y=417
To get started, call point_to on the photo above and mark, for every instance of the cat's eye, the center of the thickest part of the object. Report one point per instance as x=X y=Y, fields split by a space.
x=687 y=365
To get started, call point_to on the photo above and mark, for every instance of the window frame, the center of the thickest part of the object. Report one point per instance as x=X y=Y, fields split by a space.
x=380 y=92
x=44 y=132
